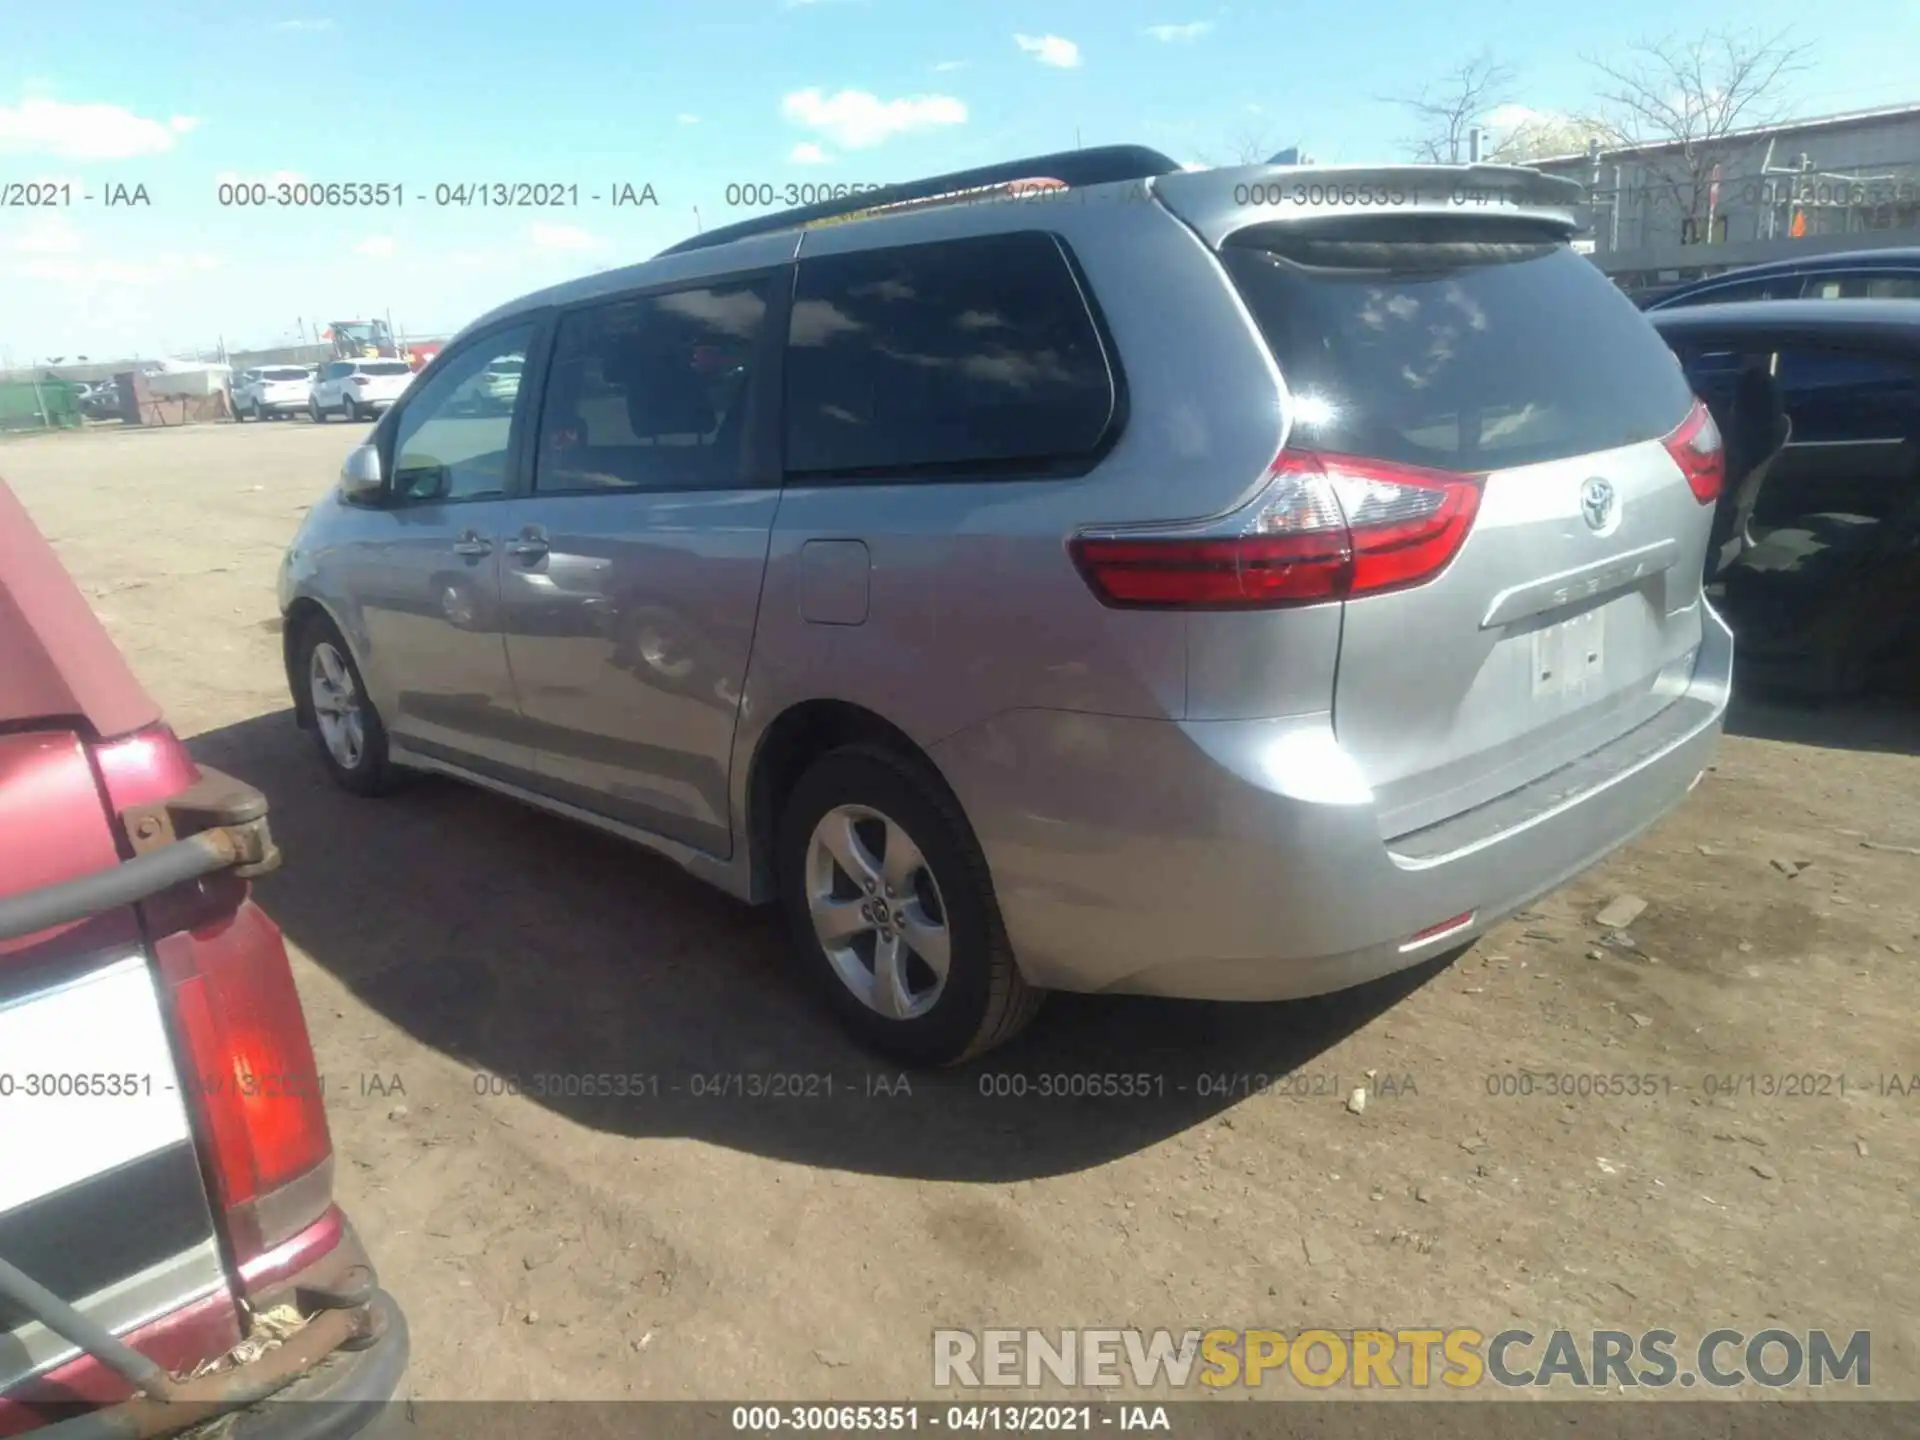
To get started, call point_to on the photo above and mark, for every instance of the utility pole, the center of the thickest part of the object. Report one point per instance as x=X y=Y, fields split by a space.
x=1473 y=145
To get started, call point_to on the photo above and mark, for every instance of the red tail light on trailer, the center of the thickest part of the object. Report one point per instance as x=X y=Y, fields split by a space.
x=1325 y=527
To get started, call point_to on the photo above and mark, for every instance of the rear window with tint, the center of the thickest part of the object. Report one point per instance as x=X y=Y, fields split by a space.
x=1468 y=356
x=283 y=375
x=390 y=367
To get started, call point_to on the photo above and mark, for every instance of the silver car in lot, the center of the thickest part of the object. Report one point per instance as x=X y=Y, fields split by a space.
x=1233 y=584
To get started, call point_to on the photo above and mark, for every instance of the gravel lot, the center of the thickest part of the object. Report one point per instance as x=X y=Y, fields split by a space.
x=722 y=1245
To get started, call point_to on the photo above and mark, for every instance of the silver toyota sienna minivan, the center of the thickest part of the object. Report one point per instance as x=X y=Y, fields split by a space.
x=1081 y=574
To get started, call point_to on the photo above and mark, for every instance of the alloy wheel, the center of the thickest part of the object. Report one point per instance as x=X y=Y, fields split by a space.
x=336 y=706
x=877 y=912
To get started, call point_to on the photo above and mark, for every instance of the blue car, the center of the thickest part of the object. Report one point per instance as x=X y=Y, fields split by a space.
x=1892 y=274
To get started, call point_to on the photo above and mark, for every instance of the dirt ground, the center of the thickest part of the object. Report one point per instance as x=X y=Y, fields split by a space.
x=702 y=1245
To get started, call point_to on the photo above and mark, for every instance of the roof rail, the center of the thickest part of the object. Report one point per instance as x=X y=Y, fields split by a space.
x=1101 y=165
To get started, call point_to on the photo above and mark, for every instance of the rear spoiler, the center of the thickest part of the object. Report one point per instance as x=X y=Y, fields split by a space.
x=1216 y=203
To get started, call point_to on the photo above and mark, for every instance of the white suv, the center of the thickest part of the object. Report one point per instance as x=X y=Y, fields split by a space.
x=357 y=389
x=271 y=391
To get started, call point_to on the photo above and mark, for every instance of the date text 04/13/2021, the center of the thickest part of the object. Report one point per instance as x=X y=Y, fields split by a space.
x=1047 y=1419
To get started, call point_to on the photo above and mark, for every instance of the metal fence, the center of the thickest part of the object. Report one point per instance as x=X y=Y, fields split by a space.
x=39 y=405
x=1746 y=203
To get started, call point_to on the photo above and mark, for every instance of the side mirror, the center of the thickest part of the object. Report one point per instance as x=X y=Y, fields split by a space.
x=361 y=477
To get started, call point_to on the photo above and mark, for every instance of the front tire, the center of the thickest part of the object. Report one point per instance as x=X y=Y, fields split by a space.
x=315 y=413
x=888 y=901
x=348 y=730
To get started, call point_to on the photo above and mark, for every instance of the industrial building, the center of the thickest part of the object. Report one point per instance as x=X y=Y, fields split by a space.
x=1660 y=215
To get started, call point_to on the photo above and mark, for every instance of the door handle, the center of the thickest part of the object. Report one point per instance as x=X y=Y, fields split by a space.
x=472 y=544
x=531 y=545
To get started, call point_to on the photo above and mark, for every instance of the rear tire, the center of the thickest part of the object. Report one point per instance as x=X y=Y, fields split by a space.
x=346 y=726
x=873 y=852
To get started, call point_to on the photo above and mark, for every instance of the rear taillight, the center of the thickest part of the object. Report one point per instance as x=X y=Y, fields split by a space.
x=240 y=1036
x=1325 y=527
x=248 y=1070
x=356 y=379
x=1696 y=449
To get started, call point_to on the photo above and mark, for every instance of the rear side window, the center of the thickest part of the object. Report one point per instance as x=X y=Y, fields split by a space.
x=1778 y=287
x=960 y=356
x=651 y=393
x=1880 y=287
x=1462 y=356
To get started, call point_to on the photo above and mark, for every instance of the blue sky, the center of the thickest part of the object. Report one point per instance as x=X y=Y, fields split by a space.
x=689 y=98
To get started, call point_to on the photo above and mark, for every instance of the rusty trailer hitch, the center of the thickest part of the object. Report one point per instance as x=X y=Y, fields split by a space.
x=350 y=1317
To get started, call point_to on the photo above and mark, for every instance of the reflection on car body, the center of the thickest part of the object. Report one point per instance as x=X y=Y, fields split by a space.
x=981 y=593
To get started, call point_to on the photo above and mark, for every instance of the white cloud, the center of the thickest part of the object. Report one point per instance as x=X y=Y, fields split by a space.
x=1050 y=50
x=565 y=237
x=321 y=24
x=1524 y=132
x=168 y=267
x=50 y=234
x=945 y=65
x=377 y=245
x=1511 y=117
x=684 y=118
x=1176 y=34
x=807 y=153
x=43 y=126
x=858 y=120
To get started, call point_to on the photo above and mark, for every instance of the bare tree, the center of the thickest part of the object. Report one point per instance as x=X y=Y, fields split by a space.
x=1538 y=136
x=1678 y=103
x=1448 y=108
x=1247 y=145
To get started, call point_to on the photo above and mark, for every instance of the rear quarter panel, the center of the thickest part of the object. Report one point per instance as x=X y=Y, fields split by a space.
x=975 y=606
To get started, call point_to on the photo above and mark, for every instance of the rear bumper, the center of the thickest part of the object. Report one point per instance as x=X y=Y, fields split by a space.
x=350 y=1393
x=346 y=1384
x=1243 y=860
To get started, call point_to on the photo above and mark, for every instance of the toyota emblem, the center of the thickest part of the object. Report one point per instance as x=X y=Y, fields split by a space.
x=1596 y=503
